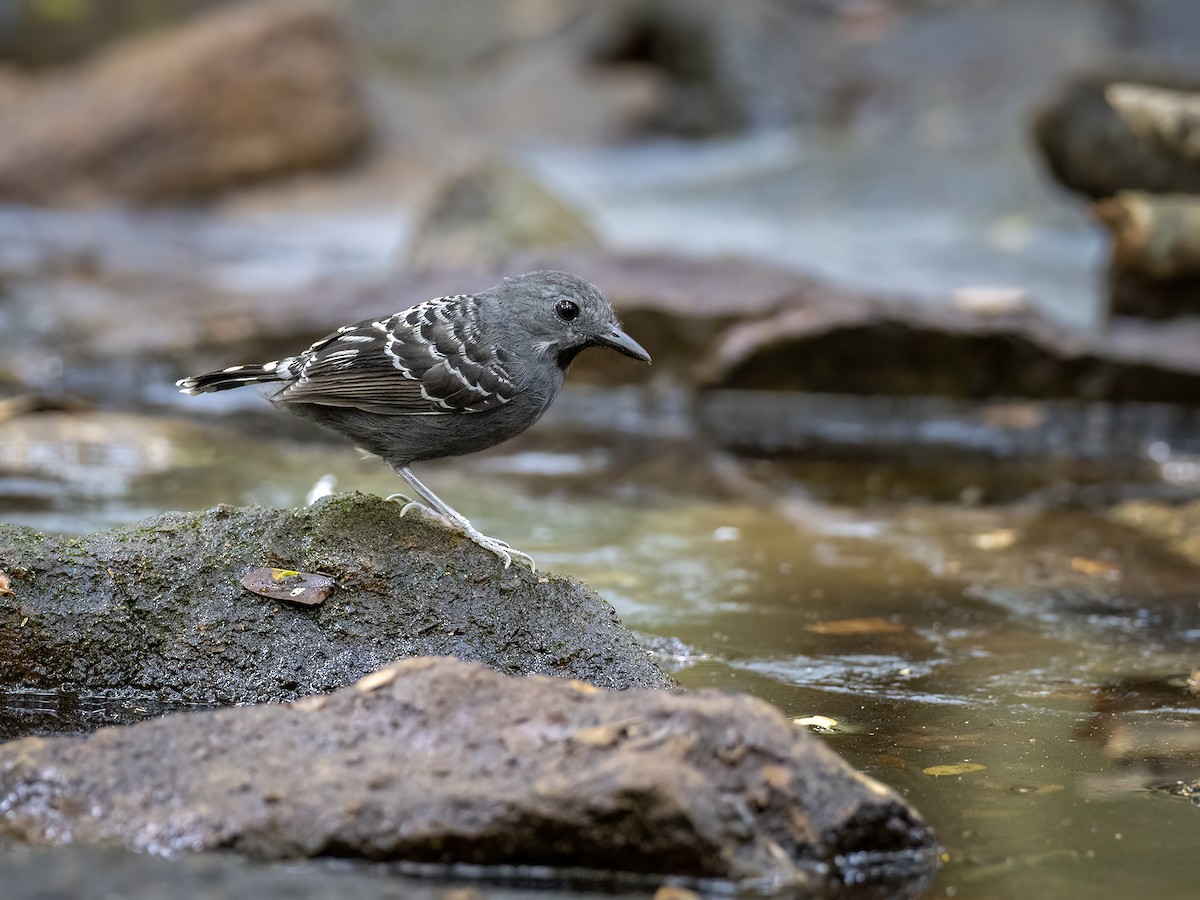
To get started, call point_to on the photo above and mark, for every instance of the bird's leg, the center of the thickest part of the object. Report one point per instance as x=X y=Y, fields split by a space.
x=457 y=521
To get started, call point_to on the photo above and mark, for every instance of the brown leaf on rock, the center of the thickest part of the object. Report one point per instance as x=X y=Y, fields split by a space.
x=285 y=584
x=5 y=590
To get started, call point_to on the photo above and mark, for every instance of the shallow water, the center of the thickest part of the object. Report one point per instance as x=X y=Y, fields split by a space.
x=934 y=617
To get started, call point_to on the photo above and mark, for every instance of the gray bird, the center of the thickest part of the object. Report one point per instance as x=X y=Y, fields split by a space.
x=445 y=377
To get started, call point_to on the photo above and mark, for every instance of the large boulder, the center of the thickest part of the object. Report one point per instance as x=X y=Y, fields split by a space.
x=158 y=608
x=238 y=95
x=438 y=762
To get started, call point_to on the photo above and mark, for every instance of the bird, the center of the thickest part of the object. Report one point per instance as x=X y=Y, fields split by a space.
x=446 y=377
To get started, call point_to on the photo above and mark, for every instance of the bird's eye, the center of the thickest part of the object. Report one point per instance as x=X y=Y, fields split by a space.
x=567 y=311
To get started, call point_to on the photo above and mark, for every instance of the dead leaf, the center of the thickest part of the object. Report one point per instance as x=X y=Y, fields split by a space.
x=955 y=769
x=286 y=584
x=5 y=590
x=873 y=625
x=1097 y=567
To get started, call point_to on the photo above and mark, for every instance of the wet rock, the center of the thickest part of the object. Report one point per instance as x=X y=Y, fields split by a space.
x=1089 y=147
x=158 y=609
x=488 y=211
x=1168 y=119
x=1155 y=236
x=1134 y=295
x=493 y=771
x=898 y=349
x=238 y=95
x=1154 y=272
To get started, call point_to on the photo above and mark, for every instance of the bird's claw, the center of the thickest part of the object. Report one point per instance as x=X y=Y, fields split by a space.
x=501 y=549
x=408 y=501
x=492 y=545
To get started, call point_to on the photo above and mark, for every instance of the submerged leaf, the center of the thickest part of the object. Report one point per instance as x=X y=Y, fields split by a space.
x=955 y=769
x=871 y=625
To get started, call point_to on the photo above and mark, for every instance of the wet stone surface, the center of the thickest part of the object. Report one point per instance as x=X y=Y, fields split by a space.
x=495 y=770
x=158 y=609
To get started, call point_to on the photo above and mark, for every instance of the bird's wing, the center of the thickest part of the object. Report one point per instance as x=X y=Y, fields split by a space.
x=431 y=359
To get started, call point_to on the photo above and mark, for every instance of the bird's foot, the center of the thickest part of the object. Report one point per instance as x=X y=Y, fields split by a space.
x=408 y=501
x=501 y=549
x=493 y=545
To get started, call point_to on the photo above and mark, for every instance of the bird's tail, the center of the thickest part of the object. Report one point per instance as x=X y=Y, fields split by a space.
x=234 y=376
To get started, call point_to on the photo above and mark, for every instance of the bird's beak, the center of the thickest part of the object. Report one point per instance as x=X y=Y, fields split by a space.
x=623 y=343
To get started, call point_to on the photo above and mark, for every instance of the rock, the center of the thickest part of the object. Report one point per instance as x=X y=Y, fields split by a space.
x=1134 y=295
x=902 y=349
x=1154 y=272
x=1170 y=120
x=434 y=761
x=489 y=210
x=1154 y=236
x=1089 y=147
x=238 y=95
x=157 y=608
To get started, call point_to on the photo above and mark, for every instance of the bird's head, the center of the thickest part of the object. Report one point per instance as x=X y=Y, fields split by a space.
x=563 y=315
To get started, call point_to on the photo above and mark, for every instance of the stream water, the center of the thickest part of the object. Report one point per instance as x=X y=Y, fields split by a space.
x=933 y=615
